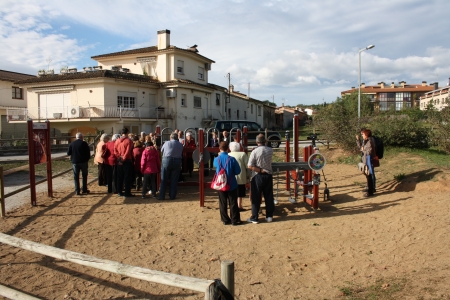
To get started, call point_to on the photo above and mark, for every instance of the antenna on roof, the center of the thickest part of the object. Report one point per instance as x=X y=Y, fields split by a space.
x=49 y=60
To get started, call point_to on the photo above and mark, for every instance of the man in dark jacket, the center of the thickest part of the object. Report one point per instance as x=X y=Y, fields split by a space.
x=79 y=155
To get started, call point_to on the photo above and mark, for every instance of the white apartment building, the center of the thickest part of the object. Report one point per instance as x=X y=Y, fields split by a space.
x=138 y=89
x=11 y=97
x=439 y=98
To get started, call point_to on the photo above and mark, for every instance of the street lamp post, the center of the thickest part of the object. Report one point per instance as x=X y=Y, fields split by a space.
x=359 y=77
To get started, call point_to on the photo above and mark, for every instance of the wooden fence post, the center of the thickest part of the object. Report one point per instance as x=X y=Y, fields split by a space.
x=227 y=275
x=2 y=193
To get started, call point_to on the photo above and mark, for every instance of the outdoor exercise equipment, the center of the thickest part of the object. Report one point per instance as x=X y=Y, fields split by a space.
x=304 y=174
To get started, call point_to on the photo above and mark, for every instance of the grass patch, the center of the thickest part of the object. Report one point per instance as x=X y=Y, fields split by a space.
x=350 y=159
x=381 y=289
x=432 y=155
x=12 y=165
x=399 y=177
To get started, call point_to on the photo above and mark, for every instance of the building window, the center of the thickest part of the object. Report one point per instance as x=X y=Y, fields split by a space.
x=201 y=73
x=183 y=99
x=251 y=109
x=245 y=115
x=197 y=102
x=126 y=100
x=259 y=110
x=217 y=99
x=17 y=93
x=180 y=67
x=229 y=113
x=237 y=114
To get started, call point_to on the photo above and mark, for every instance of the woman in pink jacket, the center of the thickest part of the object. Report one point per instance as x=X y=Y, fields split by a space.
x=150 y=167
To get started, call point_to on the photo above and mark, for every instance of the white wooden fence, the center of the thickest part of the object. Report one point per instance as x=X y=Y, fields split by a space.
x=189 y=283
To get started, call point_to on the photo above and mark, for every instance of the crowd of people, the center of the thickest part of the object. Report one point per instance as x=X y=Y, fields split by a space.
x=125 y=160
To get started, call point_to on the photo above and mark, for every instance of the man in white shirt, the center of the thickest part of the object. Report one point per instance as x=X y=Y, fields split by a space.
x=260 y=162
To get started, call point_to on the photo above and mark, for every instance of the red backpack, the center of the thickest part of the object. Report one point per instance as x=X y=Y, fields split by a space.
x=220 y=182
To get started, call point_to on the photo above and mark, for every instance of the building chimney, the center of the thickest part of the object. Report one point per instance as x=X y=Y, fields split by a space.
x=363 y=85
x=163 y=39
x=448 y=81
x=231 y=88
x=381 y=84
x=436 y=85
x=282 y=104
x=392 y=85
x=424 y=83
x=402 y=83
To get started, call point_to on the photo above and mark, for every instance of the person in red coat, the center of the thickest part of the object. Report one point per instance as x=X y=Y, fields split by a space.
x=189 y=147
x=123 y=150
x=109 y=162
x=137 y=154
x=150 y=167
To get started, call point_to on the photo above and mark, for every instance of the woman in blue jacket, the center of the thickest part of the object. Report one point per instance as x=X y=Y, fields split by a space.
x=231 y=166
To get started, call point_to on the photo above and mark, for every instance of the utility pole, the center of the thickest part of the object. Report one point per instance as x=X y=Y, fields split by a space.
x=229 y=95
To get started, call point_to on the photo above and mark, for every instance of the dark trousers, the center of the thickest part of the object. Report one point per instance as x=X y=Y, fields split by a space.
x=229 y=198
x=370 y=188
x=77 y=168
x=149 y=184
x=115 y=180
x=109 y=176
x=190 y=165
x=101 y=175
x=170 y=172
x=262 y=184
x=138 y=176
x=125 y=177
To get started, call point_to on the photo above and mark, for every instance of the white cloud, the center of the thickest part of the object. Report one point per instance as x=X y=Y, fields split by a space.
x=290 y=49
x=26 y=40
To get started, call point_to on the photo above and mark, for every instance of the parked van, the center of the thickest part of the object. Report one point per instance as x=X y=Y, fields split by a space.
x=273 y=137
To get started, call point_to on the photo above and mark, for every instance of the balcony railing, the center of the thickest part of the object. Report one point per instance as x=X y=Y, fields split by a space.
x=80 y=112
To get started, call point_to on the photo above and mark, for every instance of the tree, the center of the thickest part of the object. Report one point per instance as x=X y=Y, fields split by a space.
x=339 y=121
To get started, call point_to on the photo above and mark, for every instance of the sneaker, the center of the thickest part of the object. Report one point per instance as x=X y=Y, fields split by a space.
x=269 y=219
x=252 y=221
x=149 y=192
x=275 y=201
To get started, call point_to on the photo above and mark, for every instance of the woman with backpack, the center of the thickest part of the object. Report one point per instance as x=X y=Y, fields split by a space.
x=229 y=194
x=368 y=151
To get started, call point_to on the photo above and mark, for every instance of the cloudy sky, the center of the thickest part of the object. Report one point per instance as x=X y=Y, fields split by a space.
x=289 y=51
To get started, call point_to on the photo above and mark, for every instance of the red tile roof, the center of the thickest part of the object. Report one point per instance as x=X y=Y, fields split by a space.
x=389 y=89
x=13 y=76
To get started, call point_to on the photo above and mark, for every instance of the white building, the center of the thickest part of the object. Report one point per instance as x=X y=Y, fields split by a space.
x=138 y=89
x=11 y=96
x=439 y=98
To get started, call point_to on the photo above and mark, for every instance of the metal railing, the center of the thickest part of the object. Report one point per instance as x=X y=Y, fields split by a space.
x=83 y=112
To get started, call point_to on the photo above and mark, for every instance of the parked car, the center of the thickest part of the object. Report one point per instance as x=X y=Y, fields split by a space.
x=273 y=137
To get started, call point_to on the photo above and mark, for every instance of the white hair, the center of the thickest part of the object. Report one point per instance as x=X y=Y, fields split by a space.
x=234 y=147
x=79 y=135
x=104 y=137
x=116 y=136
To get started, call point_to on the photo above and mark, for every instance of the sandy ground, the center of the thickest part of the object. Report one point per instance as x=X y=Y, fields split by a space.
x=394 y=245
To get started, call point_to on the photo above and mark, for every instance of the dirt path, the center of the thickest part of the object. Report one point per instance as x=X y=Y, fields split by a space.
x=391 y=246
